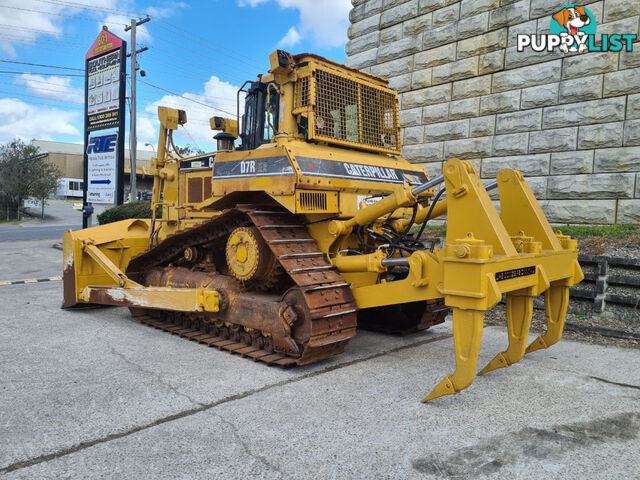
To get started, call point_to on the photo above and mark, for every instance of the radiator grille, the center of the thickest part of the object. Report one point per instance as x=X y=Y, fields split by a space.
x=194 y=190
x=354 y=113
x=313 y=201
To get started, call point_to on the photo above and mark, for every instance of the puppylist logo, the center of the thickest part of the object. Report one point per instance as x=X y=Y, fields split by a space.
x=573 y=29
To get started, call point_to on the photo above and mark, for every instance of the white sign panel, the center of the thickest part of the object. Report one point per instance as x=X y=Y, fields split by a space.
x=102 y=166
x=103 y=90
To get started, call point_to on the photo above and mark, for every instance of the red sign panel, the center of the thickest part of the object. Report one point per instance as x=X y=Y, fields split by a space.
x=105 y=42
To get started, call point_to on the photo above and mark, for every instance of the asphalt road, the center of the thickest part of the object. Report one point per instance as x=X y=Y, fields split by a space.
x=92 y=394
x=45 y=232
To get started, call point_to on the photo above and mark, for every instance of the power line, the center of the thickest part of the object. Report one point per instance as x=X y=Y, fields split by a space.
x=186 y=98
x=49 y=13
x=84 y=6
x=42 y=65
x=13 y=72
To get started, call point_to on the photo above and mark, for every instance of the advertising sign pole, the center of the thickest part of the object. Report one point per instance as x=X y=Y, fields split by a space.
x=104 y=122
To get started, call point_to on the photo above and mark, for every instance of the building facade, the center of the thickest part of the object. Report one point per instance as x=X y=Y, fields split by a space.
x=569 y=122
x=68 y=157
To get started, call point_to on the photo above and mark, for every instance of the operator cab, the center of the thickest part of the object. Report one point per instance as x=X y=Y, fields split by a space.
x=260 y=118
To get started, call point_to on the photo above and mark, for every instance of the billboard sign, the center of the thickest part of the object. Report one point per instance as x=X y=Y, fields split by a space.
x=105 y=95
x=102 y=167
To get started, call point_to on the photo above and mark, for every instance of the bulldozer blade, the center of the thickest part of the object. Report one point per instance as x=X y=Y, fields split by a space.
x=556 y=301
x=467 y=336
x=519 y=313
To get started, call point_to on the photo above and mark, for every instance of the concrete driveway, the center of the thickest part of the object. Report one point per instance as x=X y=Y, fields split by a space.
x=93 y=394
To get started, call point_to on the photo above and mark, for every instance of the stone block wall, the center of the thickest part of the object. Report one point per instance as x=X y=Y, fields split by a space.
x=570 y=123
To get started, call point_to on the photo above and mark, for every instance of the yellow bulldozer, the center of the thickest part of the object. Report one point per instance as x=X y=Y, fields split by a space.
x=307 y=223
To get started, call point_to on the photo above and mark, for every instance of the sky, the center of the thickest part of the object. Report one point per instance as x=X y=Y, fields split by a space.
x=200 y=51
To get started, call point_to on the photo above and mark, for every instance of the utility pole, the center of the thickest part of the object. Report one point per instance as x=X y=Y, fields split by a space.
x=133 y=142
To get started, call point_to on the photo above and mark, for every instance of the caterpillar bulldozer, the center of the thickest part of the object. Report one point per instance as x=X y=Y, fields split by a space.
x=307 y=223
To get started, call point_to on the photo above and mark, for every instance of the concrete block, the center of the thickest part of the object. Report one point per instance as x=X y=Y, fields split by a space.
x=630 y=59
x=401 y=83
x=474 y=87
x=364 y=10
x=522 y=121
x=470 y=26
x=426 y=6
x=393 y=68
x=402 y=48
x=524 y=28
x=487 y=42
x=577 y=161
x=500 y=102
x=435 y=56
x=397 y=14
x=581 y=89
x=415 y=26
x=458 y=70
x=620 y=9
x=465 y=108
x=411 y=117
x=469 y=8
x=595 y=111
x=369 y=24
x=529 y=165
x=544 y=8
x=491 y=62
x=538 y=186
x=482 y=126
x=632 y=132
x=435 y=113
x=626 y=159
x=363 y=59
x=468 y=148
x=425 y=152
x=622 y=82
x=509 y=14
x=626 y=25
x=633 y=106
x=446 y=131
x=362 y=43
x=579 y=211
x=421 y=78
x=557 y=140
x=438 y=36
x=540 y=96
x=446 y=15
x=391 y=34
x=426 y=96
x=512 y=144
x=600 y=136
x=603 y=185
x=413 y=135
x=515 y=59
x=586 y=64
x=433 y=169
x=529 y=76
x=628 y=211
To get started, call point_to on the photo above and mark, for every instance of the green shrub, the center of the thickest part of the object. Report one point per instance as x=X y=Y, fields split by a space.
x=139 y=209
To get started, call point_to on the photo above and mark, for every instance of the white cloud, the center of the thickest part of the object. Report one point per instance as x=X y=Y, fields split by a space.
x=28 y=25
x=51 y=86
x=291 y=39
x=250 y=3
x=324 y=23
x=24 y=121
x=217 y=93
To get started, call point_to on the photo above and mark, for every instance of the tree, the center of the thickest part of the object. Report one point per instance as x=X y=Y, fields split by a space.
x=188 y=150
x=24 y=172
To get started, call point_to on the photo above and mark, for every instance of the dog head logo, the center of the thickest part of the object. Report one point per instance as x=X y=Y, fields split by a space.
x=574 y=23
